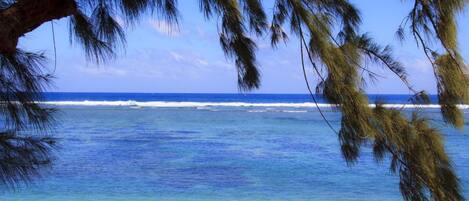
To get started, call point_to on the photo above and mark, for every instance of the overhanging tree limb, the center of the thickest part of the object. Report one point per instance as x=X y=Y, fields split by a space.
x=26 y=15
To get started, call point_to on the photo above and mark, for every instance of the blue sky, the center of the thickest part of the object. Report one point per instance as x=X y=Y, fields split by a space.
x=190 y=60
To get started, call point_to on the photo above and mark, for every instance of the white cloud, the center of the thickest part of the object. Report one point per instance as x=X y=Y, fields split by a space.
x=201 y=32
x=224 y=65
x=103 y=71
x=176 y=56
x=188 y=59
x=164 y=28
x=420 y=65
x=201 y=62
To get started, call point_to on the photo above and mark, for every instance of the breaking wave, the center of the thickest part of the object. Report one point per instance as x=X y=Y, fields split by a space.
x=175 y=104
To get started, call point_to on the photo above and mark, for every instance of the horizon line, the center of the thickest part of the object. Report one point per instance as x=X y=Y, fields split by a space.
x=240 y=93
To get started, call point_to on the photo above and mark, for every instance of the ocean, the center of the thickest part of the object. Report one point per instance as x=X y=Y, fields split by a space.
x=142 y=147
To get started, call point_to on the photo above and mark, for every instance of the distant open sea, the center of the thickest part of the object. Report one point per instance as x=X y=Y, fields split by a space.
x=227 y=147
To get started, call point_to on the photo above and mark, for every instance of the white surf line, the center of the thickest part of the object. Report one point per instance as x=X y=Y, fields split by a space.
x=222 y=104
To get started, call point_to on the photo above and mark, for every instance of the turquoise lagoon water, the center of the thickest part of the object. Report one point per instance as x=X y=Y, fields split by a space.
x=145 y=150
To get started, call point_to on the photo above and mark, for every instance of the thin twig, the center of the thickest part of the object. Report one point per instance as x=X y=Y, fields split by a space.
x=307 y=83
x=55 y=48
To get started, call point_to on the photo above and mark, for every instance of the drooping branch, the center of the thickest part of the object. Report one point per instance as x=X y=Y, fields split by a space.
x=26 y=15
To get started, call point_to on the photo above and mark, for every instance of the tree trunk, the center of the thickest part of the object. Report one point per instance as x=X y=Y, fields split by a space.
x=26 y=15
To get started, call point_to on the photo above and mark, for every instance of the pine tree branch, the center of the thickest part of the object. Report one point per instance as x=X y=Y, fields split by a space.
x=26 y=15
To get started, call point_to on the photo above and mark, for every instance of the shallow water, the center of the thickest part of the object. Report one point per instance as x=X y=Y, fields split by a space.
x=213 y=153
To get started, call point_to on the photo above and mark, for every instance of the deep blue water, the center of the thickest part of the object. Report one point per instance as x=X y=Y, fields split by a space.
x=201 y=97
x=213 y=153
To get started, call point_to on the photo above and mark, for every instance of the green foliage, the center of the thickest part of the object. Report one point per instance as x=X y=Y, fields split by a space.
x=435 y=20
x=233 y=39
x=417 y=154
x=438 y=15
x=452 y=89
x=255 y=16
x=99 y=31
x=416 y=150
x=84 y=31
x=23 y=158
x=21 y=81
x=383 y=56
x=107 y=27
x=95 y=26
